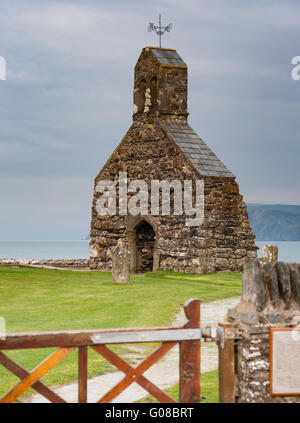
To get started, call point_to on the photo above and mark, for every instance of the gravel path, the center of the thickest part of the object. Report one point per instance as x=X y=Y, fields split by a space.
x=164 y=373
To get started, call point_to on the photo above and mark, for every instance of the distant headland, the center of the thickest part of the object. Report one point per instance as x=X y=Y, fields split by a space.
x=275 y=222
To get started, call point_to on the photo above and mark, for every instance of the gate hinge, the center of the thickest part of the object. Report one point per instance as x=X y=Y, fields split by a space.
x=227 y=333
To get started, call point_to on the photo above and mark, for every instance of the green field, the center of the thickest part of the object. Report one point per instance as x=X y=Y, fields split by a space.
x=209 y=389
x=33 y=299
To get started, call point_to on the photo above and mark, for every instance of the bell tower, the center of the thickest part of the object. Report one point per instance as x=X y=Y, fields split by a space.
x=160 y=85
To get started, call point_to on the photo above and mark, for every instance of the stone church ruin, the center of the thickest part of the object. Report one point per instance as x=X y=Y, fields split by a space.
x=161 y=145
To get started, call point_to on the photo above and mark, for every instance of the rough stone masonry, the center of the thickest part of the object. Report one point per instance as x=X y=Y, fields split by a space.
x=161 y=145
x=270 y=299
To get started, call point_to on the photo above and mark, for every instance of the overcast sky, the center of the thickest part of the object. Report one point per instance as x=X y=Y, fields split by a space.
x=67 y=100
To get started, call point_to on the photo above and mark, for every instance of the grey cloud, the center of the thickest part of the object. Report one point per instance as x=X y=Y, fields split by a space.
x=67 y=101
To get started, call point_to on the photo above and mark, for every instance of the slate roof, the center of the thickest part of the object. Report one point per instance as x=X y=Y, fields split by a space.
x=167 y=56
x=205 y=161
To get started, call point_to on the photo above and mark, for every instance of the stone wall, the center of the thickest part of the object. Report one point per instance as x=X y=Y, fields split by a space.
x=148 y=152
x=159 y=90
x=224 y=240
x=270 y=299
x=63 y=263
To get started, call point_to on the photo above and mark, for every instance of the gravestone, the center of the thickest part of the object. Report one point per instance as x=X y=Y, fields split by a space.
x=120 y=263
x=267 y=353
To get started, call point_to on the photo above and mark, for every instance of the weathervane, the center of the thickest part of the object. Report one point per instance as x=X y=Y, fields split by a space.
x=160 y=30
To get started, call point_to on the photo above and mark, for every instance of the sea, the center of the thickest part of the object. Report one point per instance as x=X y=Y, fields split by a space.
x=288 y=250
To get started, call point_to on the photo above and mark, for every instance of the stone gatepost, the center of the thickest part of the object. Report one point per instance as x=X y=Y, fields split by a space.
x=270 y=253
x=270 y=299
x=120 y=263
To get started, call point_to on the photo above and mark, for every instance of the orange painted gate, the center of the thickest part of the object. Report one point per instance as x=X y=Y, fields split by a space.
x=188 y=337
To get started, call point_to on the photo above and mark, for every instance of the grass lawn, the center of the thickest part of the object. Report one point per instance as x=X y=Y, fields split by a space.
x=209 y=389
x=33 y=299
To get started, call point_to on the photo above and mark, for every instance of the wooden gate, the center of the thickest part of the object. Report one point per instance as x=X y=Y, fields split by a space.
x=188 y=337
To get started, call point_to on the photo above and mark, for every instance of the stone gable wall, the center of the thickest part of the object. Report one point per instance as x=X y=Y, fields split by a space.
x=223 y=242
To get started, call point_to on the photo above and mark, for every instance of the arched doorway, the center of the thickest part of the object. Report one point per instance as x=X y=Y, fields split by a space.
x=145 y=241
x=142 y=237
